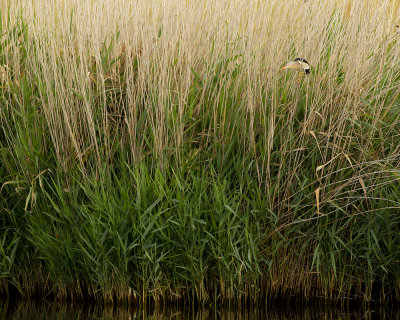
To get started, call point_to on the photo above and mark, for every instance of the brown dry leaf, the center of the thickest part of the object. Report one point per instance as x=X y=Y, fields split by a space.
x=363 y=186
x=10 y=182
x=323 y=165
x=348 y=159
x=317 y=197
x=320 y=115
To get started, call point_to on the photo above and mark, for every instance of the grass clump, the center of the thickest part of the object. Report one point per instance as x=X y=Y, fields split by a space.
x=153 y=152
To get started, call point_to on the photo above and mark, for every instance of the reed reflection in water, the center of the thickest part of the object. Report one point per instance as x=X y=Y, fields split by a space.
x=60 y=311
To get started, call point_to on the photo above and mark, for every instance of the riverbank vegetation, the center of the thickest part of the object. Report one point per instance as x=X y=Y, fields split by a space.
x=153 y=151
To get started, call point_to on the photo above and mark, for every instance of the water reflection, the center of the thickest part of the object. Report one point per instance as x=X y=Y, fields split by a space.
x=58 y=311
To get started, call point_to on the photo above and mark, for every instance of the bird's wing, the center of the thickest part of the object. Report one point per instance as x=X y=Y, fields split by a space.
x=301 y=60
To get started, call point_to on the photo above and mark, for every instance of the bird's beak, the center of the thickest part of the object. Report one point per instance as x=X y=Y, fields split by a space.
x=284 y=67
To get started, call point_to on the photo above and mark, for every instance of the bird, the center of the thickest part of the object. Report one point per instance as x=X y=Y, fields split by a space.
x=300 y=65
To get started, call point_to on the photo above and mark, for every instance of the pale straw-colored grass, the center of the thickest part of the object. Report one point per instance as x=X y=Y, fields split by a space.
x=171 y=37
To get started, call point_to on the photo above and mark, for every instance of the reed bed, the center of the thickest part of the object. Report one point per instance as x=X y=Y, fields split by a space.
x=152 y=151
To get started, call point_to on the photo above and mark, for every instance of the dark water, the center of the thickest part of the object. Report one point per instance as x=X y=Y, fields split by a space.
x=57 y=311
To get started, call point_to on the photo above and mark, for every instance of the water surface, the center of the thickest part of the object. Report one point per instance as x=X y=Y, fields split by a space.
x=60 y=311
